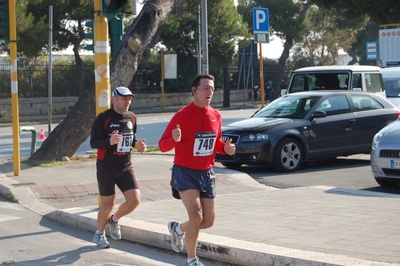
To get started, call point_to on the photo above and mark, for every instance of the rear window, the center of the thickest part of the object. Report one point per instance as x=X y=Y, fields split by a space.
x=365 y=103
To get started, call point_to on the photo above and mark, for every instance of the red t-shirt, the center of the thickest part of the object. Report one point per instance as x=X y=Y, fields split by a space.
x=200 y=139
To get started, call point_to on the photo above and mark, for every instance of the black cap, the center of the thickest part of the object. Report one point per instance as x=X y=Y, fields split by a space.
x=122 y=91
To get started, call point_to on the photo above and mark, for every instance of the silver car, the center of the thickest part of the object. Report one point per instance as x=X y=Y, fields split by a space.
x=385 y=155
x=391 y=79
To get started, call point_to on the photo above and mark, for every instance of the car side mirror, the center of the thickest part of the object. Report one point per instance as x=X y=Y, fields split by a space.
x=283 y=92
x=317 y=114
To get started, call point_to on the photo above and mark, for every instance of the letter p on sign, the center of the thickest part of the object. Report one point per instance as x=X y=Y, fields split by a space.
x=260 y=20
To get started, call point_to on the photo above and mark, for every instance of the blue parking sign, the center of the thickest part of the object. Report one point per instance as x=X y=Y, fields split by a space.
x=260 y=20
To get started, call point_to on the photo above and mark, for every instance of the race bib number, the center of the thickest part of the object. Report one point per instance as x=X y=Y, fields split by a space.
x=126 y=144
x=204 y=143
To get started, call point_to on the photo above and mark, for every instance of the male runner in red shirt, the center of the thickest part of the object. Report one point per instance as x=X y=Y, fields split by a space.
x=195 y=133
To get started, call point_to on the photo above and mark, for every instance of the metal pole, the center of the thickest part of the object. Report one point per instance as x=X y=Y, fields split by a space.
x=199 y=40
x=50 y=70
x=101 y=59
x=240 y=73
x=14 y=87
x=162 y=80
x=248 y=71
x=204 y=39
x=134 y=7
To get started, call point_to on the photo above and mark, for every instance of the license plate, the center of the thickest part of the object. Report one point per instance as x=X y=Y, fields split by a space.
x=394 y=164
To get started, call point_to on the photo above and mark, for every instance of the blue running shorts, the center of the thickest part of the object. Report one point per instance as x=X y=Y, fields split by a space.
x=183 y=178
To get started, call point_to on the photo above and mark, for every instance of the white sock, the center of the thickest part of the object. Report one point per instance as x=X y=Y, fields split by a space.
x=98 y=232
x=114 y=218
x=189 y=260
x=178 y=230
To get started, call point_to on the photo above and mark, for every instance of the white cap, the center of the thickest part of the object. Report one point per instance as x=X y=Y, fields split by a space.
x=122 y=91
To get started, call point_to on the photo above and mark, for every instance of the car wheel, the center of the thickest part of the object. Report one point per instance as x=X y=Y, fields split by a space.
x=386 y=183
x=232 y=165
x=288 y=155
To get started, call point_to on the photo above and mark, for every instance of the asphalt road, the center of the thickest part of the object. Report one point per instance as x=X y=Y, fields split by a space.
x=353 y=172
x=150 y=127
x=29 y=239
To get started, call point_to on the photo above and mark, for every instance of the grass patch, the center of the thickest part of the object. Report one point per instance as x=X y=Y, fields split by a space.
x=153 y=149
x=42 y=163
x=11 y=197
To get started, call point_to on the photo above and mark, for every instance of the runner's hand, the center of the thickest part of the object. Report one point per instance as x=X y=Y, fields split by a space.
x=176 y=133
x=115 y=138
x=141 y=146
x=229 y=148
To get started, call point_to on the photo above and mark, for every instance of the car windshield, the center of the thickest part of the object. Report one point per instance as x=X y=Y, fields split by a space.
x=320 y=81
x=288 y=107
x=392 y=87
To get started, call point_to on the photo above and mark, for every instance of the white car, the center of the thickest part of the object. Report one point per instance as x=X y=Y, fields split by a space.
x=391 y=79
x=352 y=77
x=385 y=155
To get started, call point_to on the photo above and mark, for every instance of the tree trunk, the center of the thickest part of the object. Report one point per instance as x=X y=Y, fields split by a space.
x=79 y=70
x=137 y=40
x=280 y=69
x=66 y=138
x=353 y=56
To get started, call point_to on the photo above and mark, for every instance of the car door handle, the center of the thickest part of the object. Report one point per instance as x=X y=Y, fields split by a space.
x=352 y=121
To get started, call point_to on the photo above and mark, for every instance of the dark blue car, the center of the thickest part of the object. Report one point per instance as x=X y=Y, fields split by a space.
x=308 y=126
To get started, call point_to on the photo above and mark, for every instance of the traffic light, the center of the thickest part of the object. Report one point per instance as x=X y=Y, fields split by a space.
x=116 y=29
x=89 y=35
x=4 y=21
x=113 y=7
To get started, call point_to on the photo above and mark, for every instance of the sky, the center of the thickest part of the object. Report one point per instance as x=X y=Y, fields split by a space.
x=272 y=50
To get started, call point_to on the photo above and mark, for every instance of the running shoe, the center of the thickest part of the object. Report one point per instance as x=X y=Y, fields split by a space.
x=101 y=240
x=177 y=240
x=194 y=262
x=115 y=229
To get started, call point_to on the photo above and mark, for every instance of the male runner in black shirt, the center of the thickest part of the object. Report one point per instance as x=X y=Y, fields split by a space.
x=114 y=135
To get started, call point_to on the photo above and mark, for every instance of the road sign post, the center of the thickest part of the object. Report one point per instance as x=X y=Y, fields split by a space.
x=261 y=35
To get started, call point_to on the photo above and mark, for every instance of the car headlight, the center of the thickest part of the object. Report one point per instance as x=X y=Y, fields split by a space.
x=376 y=140
x=255 y=137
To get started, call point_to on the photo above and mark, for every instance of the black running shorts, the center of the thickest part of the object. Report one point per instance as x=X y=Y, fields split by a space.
x=109 y=175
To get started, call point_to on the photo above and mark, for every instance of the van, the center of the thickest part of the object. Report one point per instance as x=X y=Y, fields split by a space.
x=350 y=77
x=391 y=80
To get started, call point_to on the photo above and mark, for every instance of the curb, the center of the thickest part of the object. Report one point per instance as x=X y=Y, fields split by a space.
x=219 y=248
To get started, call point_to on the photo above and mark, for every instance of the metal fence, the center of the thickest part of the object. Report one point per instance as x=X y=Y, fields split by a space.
x=33 y=81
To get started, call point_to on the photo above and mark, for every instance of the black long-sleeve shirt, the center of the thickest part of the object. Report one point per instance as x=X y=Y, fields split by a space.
x=103 y=126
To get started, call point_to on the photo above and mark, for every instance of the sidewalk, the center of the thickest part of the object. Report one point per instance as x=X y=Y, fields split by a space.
x=255 y=224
